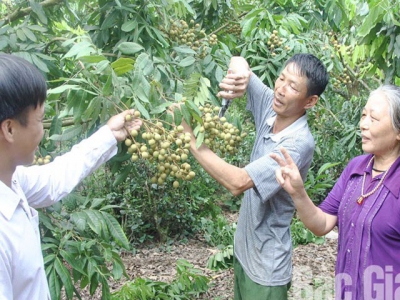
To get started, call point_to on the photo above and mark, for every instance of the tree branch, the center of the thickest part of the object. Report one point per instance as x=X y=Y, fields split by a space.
x=21 y=12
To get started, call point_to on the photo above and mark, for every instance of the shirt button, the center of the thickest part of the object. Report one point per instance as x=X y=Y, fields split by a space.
x=352 y=224
x=14 y=181
x=348 y=250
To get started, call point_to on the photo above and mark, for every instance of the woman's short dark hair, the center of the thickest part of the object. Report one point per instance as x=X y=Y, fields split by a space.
x=310 y=66
x=21 y=86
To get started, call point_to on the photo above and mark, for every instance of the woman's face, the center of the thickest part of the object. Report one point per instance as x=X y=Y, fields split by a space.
x=377 y=132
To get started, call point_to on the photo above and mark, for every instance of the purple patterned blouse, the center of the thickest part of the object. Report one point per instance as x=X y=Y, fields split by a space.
x=368 y=260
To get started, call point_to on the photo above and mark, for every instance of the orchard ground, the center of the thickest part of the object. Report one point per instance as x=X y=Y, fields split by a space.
x=313 y=268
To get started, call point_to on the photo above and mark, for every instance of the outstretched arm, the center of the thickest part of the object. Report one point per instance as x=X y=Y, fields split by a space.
x=288 y=176
x=61 y=176
x=236 y=180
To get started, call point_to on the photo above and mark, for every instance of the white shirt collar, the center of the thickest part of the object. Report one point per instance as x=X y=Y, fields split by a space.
x=9 y=201
x=297 y=125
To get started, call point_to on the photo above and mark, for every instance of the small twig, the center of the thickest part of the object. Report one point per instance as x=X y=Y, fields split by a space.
x=21 y=12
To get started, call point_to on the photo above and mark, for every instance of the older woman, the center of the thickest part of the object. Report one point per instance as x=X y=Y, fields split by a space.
x=364 y=204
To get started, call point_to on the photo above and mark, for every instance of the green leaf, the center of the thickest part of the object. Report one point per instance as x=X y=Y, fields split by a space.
x=55 y=126
x=37 y=28
x=68 y=134
x=116 y=231
x=177 y=117
x=142 y=109
x=190 y=104
x=110 y=20
x=93 y=221
x=185 y=50
x=20 y=35
x=188 y=61
x=65 y=277
x=161 y=108
x=3 y=43
x=123 y=175
x=122 y=70
x=83 y=48
x=374 y=16
x=48 y=258
x=75 y=263
x=105 y=289
x=122 y=62
x=93 y=110
x=79 y=218
x=186 y=114
x=38 y=10
x=129 y=48
x=54 y=285
x=326 y=166
x=63 y=88
x=39 y=63
x=199 y=139
x=118 y=266
x=94 y=281
x=92 y=58
x=29 y=34
x=108 y=87
x=129 y=25
x=96 y=202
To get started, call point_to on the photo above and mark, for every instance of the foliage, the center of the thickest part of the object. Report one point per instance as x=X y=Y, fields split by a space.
x=188 y=284
x=316 y=185
x=80 y=242
x=222 y=259
x=147 y=211
x=301 y=235
x=100 y=57
x=218 y=232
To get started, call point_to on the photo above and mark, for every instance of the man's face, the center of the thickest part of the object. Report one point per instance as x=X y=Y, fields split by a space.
x=27 y=138
x=290 y=93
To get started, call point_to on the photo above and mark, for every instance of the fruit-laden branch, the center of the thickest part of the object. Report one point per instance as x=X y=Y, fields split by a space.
x=65 y=122
x=19 y=13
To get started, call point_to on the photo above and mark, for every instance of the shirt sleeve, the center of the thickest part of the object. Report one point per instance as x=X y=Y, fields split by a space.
x=46 y=184
x=262 y=170
x=259 y=100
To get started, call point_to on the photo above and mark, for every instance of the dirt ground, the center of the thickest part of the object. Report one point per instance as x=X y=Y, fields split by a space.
x=313 y=269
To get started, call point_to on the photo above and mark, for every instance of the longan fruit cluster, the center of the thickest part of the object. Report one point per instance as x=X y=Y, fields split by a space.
x=167 y=148
x=219 y=135
x=234 y=28
x=334 y=42
x=40 y=160
x=190 y=35
x=344 y=78
x=275 y=43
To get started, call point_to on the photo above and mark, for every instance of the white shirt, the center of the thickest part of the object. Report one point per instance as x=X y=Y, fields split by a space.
x=22 y=274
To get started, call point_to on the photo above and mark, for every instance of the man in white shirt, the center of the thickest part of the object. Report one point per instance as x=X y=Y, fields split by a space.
x=22 y=189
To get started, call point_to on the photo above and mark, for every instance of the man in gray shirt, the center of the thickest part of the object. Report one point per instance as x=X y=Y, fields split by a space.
x=262 y=246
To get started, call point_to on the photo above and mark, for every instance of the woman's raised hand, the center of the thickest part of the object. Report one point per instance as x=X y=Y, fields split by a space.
x=288 y=175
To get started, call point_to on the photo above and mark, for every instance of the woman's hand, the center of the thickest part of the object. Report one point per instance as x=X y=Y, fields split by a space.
x=288 y=175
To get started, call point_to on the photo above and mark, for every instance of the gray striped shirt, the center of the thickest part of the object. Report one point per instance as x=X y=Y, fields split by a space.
x=263 y=243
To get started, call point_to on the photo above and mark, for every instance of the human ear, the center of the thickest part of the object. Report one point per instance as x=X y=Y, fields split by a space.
x=7 y=130
x=311 y=101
